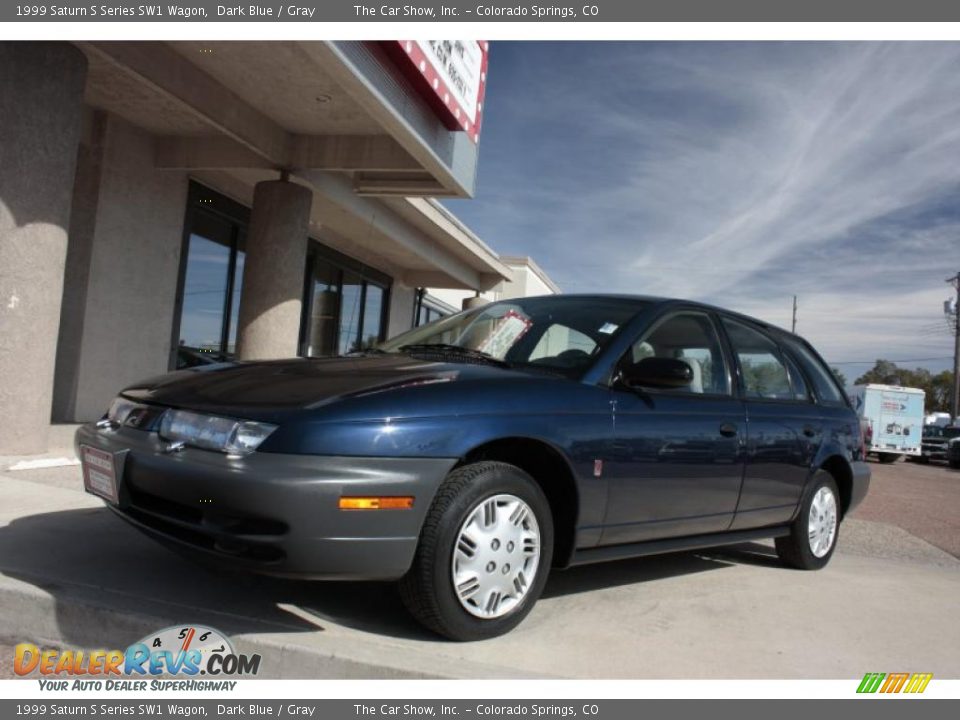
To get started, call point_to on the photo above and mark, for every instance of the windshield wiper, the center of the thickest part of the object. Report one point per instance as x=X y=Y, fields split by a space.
x=450 y=352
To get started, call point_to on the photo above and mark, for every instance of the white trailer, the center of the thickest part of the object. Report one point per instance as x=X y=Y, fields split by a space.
x=894 y=419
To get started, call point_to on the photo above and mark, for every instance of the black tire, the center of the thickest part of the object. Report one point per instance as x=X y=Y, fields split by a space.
x=428 y=590
x=955 y=464
x=888 y=457
x=794 y=549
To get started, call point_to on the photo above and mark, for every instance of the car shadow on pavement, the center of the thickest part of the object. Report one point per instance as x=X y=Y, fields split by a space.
x=586 y=578
x=750 y=553
x=89 y=559
x=109 y=582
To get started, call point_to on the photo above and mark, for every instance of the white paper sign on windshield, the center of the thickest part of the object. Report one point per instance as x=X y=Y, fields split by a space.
x=510 y=328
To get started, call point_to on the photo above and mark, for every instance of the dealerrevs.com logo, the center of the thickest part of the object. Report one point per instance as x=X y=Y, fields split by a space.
x=179 y=651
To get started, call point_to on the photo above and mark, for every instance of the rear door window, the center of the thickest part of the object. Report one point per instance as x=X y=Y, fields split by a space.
x=763 y=371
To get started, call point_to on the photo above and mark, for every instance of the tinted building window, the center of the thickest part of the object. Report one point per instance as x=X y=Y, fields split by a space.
x=424 y=312
x=323 y=313
x=373 y=307
x=345 y=302
x=211 y=280
x=350 y=312
x=345 y=305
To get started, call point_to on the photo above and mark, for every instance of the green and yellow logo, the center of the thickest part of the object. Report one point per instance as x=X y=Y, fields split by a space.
x=894 y=682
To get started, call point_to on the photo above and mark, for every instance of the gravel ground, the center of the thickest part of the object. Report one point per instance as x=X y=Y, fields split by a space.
x=924 y=500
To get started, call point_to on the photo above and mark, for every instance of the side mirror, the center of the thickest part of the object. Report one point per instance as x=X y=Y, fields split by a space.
x=657 y=372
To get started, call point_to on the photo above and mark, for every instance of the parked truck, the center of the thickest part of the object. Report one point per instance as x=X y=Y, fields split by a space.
x=893 y=418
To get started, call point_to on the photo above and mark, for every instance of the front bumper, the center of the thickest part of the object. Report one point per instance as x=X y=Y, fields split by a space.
x=271 y=513
x=934 y=452
x=861 y=483
x=952 y=455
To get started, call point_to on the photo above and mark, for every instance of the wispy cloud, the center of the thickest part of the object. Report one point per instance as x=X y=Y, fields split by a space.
x=738 y=173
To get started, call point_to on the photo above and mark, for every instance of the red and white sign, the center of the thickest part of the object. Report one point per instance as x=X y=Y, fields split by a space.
x=99 y=472
x=506 y=333
x=451 y=75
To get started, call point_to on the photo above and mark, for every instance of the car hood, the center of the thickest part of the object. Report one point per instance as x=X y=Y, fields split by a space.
x=271 y=390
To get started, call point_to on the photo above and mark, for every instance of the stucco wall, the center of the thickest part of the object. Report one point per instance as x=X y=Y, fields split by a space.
x=134 y=255
x=525 y=283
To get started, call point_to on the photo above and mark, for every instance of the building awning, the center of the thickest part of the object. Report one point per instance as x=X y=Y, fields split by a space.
x=343 y=123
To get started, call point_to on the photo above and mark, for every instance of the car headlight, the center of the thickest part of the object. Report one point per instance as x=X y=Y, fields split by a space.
x=120 y=410
x=234 y=437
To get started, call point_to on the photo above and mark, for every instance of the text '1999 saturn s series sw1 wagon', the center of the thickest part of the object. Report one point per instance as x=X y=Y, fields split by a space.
x=468 y=457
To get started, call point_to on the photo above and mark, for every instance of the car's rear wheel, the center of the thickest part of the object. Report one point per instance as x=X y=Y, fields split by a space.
x=484 y=553
x=813 y=535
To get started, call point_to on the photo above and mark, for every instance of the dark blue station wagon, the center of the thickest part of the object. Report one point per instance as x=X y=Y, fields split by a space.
x=468 y=457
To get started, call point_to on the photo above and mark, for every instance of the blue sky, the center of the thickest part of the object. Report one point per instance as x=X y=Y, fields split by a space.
x=739 y=174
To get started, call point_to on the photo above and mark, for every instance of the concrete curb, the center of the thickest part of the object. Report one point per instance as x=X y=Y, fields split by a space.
x=30 y=614
x=41 y=604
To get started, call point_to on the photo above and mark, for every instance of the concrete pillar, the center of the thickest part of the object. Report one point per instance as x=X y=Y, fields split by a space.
x=401 y=309
x=41 y=94
x=474 y=302
x=272 y=293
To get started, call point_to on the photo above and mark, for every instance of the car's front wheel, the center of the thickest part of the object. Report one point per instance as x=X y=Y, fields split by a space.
x=484 y=553
x=813 y=535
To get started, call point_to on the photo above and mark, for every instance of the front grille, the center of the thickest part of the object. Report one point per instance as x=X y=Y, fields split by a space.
x=221 y=531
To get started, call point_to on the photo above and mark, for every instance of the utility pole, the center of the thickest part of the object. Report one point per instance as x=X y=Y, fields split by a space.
x=955 y=281
x=793 y=328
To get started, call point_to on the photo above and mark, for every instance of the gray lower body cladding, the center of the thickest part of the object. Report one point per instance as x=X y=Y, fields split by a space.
x=271 y=513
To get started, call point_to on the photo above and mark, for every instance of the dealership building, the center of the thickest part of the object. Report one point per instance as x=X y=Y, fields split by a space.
x=165 y=205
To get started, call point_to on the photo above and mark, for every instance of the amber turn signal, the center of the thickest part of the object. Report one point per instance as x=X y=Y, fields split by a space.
x=376 y=503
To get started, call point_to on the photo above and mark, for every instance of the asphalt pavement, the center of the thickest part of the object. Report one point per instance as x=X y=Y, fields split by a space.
x=922 y=499
x=72 y=574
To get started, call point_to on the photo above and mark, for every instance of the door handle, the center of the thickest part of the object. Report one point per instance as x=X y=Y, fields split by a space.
x=809 y=430
x=728 y=429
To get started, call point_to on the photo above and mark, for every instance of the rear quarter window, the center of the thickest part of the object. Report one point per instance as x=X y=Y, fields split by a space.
x=819 y=374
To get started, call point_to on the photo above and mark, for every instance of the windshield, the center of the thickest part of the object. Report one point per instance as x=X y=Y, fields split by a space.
x=555 y=333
